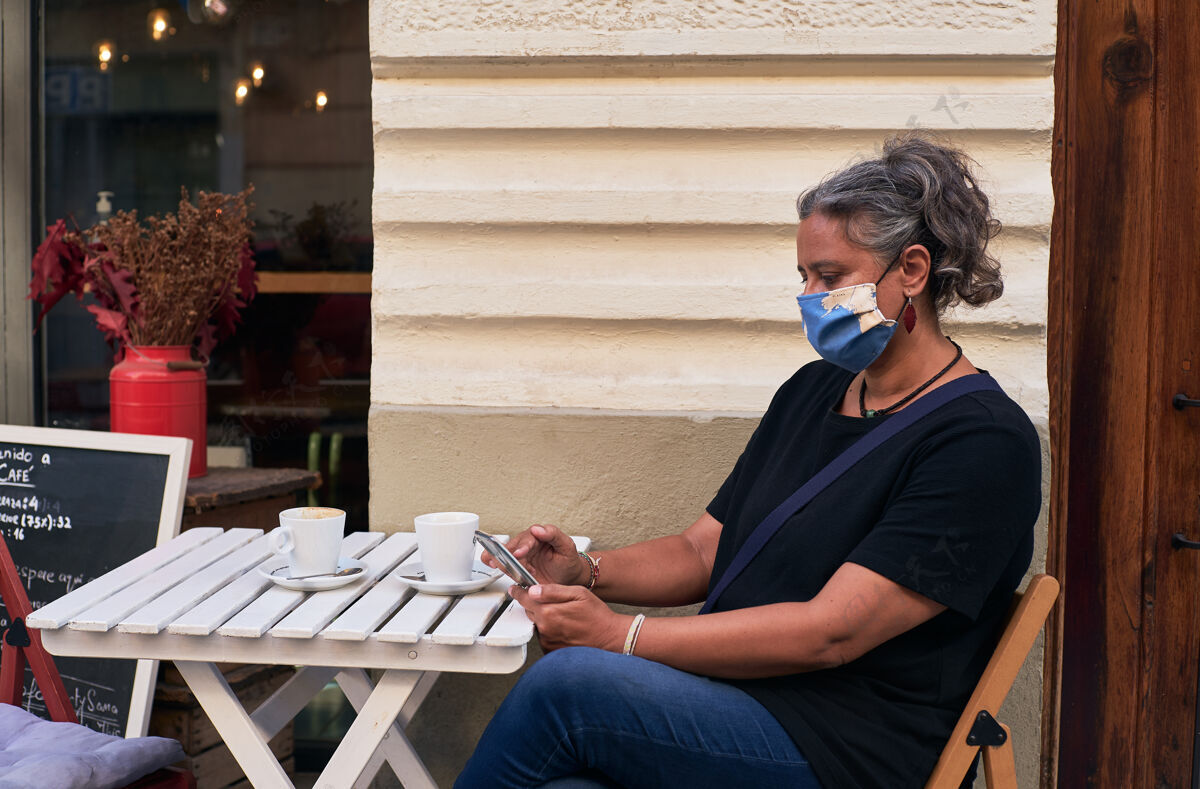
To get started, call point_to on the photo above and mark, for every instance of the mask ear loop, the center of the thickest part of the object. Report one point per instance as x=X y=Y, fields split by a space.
x=908 y=320
x=889 y=268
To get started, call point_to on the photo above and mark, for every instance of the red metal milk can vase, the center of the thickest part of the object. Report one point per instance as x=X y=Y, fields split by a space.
x=159 y=390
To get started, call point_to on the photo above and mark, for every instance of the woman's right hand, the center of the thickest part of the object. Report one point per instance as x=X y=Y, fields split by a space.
x=549 y=554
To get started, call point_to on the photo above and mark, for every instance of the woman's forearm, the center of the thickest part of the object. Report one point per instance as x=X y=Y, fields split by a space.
x=766 y=641
x=856 y=611
x=667 y=571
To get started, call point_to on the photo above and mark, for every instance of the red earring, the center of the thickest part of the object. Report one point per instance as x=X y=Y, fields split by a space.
x=910 y=316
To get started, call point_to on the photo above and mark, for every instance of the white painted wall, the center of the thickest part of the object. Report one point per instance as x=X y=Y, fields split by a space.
x=591 y=205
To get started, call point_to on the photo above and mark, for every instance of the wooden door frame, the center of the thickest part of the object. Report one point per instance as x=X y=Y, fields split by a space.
x=1122 y=649
x=18 y=103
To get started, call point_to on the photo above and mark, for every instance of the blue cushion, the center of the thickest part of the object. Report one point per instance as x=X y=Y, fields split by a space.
x=36 y=753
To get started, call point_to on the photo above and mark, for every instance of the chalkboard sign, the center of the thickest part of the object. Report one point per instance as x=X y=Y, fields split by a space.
x=74 y=504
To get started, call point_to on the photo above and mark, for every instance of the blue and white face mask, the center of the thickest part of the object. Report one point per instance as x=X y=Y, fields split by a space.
x=845 y=325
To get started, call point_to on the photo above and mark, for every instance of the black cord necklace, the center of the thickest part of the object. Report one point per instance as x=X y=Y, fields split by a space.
x=867 y=413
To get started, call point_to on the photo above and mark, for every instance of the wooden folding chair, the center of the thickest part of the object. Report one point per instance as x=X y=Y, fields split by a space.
x=977 y=727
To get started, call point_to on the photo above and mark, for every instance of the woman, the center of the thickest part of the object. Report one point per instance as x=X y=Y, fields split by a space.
x=844 y=652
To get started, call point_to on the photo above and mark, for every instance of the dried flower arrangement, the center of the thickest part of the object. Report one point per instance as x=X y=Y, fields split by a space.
x=177 y=279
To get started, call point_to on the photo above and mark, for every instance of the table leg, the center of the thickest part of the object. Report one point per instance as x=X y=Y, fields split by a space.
x=246 y=741
x=285 y=704
x=357 y=687
x=375 y=721
x=395 y=746
x=424 y=685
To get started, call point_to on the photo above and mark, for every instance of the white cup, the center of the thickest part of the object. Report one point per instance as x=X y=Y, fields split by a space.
x=310 y=538
x=446 y=540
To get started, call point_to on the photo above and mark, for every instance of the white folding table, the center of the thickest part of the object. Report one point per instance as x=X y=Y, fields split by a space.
x=199 y=600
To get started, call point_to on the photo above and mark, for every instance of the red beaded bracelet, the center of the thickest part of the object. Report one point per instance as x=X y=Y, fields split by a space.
x=593 y=569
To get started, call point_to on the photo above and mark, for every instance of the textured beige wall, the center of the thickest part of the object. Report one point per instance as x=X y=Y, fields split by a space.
x=585 y=276
x=618 y=477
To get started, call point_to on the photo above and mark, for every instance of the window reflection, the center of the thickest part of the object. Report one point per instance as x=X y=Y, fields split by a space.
x=143 y=98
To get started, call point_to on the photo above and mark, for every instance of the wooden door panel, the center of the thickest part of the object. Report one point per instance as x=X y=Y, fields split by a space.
x=1172 y=642
x=1124 y=336
x=1099 y=318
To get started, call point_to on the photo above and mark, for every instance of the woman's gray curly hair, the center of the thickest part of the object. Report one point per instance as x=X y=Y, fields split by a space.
x=919 y=191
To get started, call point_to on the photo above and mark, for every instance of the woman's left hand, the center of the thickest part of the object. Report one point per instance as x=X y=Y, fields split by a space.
x=571 y=616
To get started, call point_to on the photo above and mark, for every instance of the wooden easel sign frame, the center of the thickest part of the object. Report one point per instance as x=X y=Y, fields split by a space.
x=27 y=459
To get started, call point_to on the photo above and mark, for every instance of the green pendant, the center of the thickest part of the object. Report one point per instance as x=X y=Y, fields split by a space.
x=870 y=413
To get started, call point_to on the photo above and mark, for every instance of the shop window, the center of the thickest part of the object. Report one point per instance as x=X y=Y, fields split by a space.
x=142 y=99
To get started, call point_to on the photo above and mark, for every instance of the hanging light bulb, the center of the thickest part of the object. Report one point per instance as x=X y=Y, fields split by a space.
x=321 y=101
x=105 y=52
x=216 y=10
x=257 y=72
x=241 y=90
x=159 y=22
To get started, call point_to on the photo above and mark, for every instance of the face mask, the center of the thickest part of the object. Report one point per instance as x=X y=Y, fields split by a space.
x=845 y=325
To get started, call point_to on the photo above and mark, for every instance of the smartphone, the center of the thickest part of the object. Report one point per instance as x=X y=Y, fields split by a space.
x=515 y=570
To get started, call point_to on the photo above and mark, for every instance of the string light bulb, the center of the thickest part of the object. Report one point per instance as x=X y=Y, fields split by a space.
x=257 y=72
x=105 y=52
x=321 y=100
x=214 y=12
x=159 y=22
x=240 y=91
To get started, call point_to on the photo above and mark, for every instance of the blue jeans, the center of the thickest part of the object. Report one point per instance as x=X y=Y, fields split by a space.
x=583 y=717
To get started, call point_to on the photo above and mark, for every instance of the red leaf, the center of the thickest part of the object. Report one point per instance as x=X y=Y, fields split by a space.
x=112 y=323
x=57 y=269
x=226 y=316
x=122 y=284
x=206 y=340
x=47 y=260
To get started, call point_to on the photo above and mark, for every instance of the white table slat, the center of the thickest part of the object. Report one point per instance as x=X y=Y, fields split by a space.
x=321 y=608
x=162 y=610
x=467 y=619
x=275 y=603
x=414 y=618
x=511 y=629
x=222 y=604
x=59 y=612
x=111 y=610
x=360 y=620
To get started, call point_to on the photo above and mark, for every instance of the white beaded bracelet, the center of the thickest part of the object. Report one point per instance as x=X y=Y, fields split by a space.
x=631 y=638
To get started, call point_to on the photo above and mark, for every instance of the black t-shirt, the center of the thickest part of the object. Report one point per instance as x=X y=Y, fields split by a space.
x=946 y=508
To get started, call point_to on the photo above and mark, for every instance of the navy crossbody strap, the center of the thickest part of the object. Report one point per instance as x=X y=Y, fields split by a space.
x=840 y=465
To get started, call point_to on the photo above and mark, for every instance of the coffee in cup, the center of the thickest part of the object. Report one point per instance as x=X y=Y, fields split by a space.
x=310 y=538
x=447 y=544
x=315 y=513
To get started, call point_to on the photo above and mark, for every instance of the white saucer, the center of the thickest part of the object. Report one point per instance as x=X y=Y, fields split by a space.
x=277 y=571
x=413 y=574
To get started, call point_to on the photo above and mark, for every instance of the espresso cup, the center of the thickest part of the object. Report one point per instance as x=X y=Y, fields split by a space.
x=447 y=543
x=310 y=538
